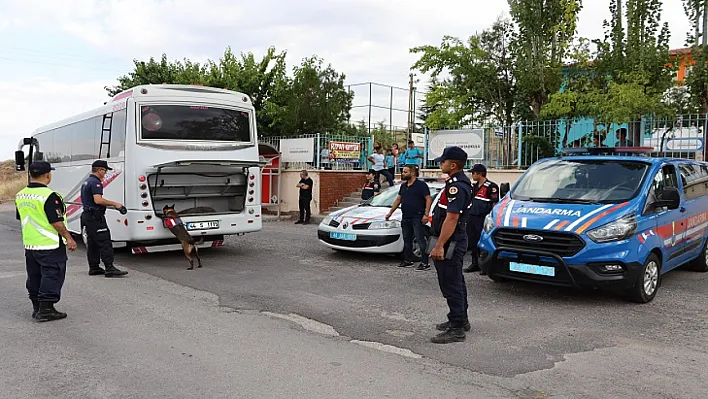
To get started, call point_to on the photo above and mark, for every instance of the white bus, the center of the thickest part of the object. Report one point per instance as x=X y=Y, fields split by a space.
x=190 y=146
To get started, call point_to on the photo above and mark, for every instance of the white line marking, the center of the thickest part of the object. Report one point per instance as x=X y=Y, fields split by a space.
x=388 y=348
x=549 y=225
x=508 y=212
x=523 y=222
x=582 y=219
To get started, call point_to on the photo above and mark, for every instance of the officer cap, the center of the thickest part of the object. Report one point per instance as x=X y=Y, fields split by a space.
x=479 y=168
x=40 y=168
x=454 y=153
x=101 y=164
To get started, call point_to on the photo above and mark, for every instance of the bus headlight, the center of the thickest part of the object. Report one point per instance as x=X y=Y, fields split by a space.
x=619 y=229
x=488 y=223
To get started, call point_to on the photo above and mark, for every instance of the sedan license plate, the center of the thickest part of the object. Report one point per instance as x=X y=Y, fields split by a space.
x=532 y=269
x=342 y=236
x=208 y=225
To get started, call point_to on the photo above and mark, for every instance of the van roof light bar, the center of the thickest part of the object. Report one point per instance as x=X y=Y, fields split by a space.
x=608 y=150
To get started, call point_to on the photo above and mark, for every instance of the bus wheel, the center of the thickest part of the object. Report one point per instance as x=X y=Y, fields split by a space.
x=648 y=281
x=700 y=264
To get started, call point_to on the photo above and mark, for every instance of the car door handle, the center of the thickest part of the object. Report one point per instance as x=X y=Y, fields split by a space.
x=682 y=210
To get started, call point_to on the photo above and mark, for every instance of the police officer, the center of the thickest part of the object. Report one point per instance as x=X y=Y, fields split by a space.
x=486 y=195
x=449 y=244
x=45 y=238
x=93 y=218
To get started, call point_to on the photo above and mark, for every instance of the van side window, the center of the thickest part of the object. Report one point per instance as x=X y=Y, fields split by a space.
x=694 y=177
x=666 y=177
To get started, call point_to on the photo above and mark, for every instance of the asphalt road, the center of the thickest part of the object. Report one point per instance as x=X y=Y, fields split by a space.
x=527 y=341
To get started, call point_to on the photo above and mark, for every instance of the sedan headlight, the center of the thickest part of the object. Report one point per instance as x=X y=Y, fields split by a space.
x=327 y=220
x=488 y=223
x=386 y=224
x=619 y=229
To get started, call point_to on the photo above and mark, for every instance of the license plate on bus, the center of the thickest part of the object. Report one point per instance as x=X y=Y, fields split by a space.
x=208 y=225
x=532 y=269
x=342 y=236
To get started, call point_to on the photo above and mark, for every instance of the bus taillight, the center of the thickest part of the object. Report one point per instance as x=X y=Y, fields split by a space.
x=143 y=186
x=145 y=203
x=144 y=195
x=142 y=178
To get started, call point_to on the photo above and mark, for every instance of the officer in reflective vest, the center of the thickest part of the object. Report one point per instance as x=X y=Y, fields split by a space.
x=41 y=212
x=448 y=244
x=486 y=195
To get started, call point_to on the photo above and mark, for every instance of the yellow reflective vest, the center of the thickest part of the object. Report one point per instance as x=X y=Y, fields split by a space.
x=37 y=233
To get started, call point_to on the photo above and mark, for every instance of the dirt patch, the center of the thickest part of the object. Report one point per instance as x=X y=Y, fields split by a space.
x=11 y=181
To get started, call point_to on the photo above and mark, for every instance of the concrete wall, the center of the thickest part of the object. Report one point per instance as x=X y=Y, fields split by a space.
x=333 y=185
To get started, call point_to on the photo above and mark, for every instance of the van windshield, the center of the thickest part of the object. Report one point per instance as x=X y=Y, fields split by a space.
x=581 y=181
x=194 y=123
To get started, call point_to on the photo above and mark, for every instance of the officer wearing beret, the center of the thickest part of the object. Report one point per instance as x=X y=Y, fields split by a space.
x=449 y=244
x=486 y=195
x=93 y=218
x=45 y=237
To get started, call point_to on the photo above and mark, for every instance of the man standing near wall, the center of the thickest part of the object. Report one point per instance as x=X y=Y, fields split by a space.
x=305 y=185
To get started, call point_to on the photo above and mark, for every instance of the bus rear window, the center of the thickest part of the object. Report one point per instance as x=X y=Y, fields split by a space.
x=194 y=123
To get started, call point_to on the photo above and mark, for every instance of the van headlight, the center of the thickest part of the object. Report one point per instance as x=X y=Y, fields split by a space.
x=619 y=229
x=327 y=220
x=385 y=224
x=488 y=223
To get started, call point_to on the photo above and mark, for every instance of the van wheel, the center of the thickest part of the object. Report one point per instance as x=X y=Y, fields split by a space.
x=700 y=264
x=648 y=281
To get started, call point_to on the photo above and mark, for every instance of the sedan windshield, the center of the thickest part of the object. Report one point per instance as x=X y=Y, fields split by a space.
x=581 y=181
x=388 y=195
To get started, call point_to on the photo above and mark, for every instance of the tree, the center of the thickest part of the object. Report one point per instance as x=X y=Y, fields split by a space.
x=697 y=79
x=313 y=100
x=545 y=32
x=481 y=85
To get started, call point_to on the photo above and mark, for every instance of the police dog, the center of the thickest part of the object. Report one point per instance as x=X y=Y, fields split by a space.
x=172 y=221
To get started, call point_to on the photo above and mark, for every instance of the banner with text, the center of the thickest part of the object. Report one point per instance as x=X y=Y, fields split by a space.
x=297 y=150
x=344 y=151
x=470 y=140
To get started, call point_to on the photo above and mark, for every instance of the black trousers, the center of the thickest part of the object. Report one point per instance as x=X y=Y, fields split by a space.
x=452 y=284
x=414 y=227
x=305 y=209
x=46 y=271
x=475 y=224
x=99 y=246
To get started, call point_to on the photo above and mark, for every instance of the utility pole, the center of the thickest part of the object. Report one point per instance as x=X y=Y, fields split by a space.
x=411 y=105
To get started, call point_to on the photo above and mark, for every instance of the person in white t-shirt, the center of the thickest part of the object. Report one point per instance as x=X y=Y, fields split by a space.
x=378 y=167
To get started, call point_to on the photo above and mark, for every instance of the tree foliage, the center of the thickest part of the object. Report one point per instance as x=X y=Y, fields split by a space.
x=696 y=95
x=312 y=100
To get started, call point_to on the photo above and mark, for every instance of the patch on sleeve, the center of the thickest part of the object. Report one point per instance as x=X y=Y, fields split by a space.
x=452 y=190
x=494 y=189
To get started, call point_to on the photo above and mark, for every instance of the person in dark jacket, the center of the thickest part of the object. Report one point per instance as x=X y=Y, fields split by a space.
x=485 y=196
x=371 y=187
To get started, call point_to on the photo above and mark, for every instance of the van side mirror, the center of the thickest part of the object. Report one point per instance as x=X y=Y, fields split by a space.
x=39 y=156
x=19 y=161
x=503 y=189
x=670 y=198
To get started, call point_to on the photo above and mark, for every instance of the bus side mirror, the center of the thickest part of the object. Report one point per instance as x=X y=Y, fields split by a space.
x=39 y=156
x=19 y=161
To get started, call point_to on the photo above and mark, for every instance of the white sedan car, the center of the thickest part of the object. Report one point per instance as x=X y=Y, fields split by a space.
x=364 y=228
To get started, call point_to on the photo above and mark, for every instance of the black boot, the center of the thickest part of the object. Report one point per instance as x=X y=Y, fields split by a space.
x=111 y=271
x=456 y=334
x=96 y=271
x=446 y=326
x=473 y=267
x=35 y=306
x=48 y=313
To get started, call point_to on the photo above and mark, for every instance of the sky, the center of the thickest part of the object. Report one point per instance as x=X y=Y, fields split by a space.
x=56 y=57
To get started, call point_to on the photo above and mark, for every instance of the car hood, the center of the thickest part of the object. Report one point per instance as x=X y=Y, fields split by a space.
x=358 y=214
x=576 y=218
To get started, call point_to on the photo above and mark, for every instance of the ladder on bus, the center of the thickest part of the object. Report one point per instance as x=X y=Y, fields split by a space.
x=106 y=130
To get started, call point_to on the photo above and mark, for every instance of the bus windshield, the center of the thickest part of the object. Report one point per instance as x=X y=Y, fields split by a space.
x=581 y=181
x=194 y=123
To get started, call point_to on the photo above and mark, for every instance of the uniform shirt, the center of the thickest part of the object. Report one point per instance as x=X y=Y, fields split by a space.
x=378 y=162
x=91 y=186
x=55 y=209
x=370 y=189
x=306 y=193
x=411 y=156
x=413 y=198
x=485 y=197
x=455 y=198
